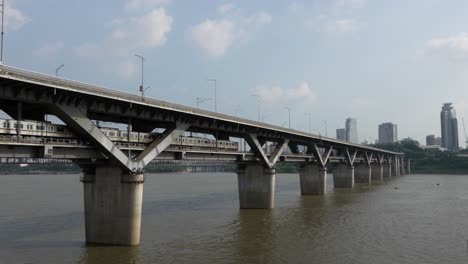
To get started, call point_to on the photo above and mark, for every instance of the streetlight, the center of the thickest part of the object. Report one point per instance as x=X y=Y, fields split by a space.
x=259 y=98
x=310 y=122
x=201 y=100
x=1 y=45
x=214 y=80
x=57 y=70
x=325 y=124
x=289 y=115
x=142 y=75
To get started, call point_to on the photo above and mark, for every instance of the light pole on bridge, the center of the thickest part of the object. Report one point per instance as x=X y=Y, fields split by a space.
x=289 y=116
x=215 y=103
x=3 y=19
x=310 y=122
x=259 y=100
x=57 y=70
x=142 y=90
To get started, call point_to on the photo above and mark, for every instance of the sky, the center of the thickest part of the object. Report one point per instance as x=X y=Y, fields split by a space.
x=377 y=61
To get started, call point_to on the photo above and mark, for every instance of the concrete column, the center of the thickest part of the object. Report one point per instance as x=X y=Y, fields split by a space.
x=112 y=204
x=408 y=167
x=362 y=173
x=396 y=167
x=377 y=172
x=402 y=166
x=387 y=170
x=313 y=179
x=256 y=186
x=343 y=176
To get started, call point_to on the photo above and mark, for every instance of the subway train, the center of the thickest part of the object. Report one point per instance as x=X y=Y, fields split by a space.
x=47 y=129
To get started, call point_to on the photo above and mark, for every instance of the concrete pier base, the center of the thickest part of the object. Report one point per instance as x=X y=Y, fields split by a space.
x=343 y=176
x=377 y=172
x=402 y=168
x=387 y=170
x=256 y=186
x=112 y=204
x=313 y=179
x=396 y=168
x=362 y=173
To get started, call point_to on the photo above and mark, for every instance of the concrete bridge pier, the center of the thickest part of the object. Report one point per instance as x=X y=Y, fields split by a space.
x=362 y=173
x=256 y=186
x=387 y=170
x=112 y=205
x=396 y=167
x=377 y=172
x=343 y=176
x=313 y=179
x=408 y=167
x=402 y=166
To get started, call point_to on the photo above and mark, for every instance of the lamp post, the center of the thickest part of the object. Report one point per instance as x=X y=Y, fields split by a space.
x=310 y=122
x=142 y=90
x=215 y=106
x=3 y=19
x=289 y=116
x=57 y=70
x=201 y=100
x=258 y=103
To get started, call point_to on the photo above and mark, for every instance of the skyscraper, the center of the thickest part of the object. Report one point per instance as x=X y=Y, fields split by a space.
x=430 y=140
x=449 y=127
x=351 y=130
x=388 y=133
x=341 y=134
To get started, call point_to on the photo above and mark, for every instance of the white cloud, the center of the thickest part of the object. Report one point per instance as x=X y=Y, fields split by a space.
x=147 y=31
x=14 y=18
x=454 y=47
x=295 y=7
x=341 y=26
x=146 y=3
x=274 y=94
x=213 y=36
x=360 y=101
x=223 y=9
x=322 y=24
x=48 y=49
x=216 y=36
x=351 y=3
x=127 y=70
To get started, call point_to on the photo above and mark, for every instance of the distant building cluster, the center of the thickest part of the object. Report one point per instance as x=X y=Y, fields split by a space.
x=388 y=133
x=349 y=133
x=448 y=130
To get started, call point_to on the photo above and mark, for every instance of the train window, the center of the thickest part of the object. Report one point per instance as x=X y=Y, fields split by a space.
x=39 y=127
x=6 y=125
x=112 y=134
x=60 y=129
x=30 y=127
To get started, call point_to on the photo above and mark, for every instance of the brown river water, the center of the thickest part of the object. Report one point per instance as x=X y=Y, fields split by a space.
x=195 y=218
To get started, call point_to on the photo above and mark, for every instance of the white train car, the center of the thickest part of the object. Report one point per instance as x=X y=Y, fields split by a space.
x=48 y=129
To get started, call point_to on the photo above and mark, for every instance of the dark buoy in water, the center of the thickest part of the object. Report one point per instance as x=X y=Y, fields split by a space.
x=396 y=188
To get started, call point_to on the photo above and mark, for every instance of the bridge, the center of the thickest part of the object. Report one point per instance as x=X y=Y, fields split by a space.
x=113 y=172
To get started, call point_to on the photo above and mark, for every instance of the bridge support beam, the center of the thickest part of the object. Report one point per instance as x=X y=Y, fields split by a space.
x=387 y=170
x=256 y=186
x=313 y=179
x=396 y=167
x=402 y=166
x=377 y=172
x=362 y=173
x=112 y=204
x=343 y=176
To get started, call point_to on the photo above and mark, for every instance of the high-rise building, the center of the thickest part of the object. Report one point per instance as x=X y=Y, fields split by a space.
x=341 y=134
x=430 y=140
x=388 y=133
x=438 y=141
x=449 y=127
x=351 y=130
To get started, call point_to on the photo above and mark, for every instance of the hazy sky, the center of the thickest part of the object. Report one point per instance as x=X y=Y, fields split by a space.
x=378 y=61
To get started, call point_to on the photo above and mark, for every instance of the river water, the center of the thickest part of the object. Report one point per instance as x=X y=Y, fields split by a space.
x=194 y=218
